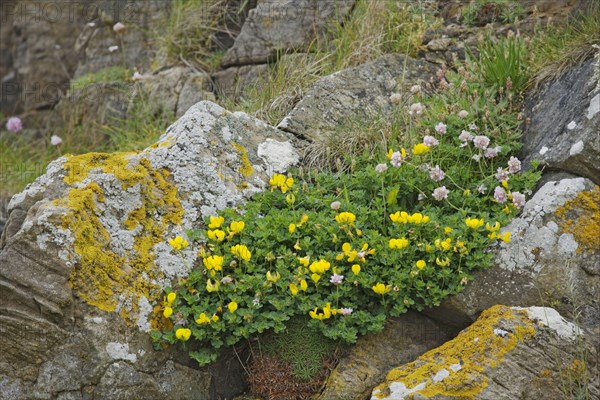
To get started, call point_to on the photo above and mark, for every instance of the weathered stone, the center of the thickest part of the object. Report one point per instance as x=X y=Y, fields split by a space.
x=44 y=55
x=96 y=41
x=174 y=90
x=85 y=255
x=367 y=362
x=233 y=81
x=439 y=44
x=552 y=259
x=508 y=353
x=279 y=26
x=564 y=123
x=356 y=93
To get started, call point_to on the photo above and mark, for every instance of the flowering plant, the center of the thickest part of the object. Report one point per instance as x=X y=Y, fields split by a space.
x=348 y=250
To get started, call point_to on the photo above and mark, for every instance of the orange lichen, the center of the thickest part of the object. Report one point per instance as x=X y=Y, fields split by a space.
x=475 y=350
x=100 y=276
x=581 y=218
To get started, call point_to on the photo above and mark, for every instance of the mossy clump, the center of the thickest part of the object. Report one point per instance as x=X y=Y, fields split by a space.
x=466 y=357
x=581 y=218
x=102 y=277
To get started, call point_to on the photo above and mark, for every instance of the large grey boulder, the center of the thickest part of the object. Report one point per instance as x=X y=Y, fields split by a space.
x=280 y=26
x=552 y=259
x=84 y=257
x=353 y=94
x=508 y=353
x=366 y=363
x=564 y=122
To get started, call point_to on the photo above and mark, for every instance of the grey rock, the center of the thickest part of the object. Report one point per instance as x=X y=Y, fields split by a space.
x=234 y=81
x=367 y=362
x=564 y=114
x=353 y=94
x=44 y=56
x=508 y=353
x=439 y=44
x=174 y=90
x=66 y=326
x=135 y=49
x=279 y=26
x=545 y=263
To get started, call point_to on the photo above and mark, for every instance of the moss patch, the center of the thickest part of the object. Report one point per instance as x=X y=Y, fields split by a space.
x=581 y=217
x=102 y=277
x=475 y=350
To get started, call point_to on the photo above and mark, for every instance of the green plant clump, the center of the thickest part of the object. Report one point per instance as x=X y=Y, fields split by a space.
x=398 y=231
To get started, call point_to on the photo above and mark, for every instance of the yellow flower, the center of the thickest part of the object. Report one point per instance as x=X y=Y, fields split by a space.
x=420 y=148
x=493 y=228
x=315 y=277
x=355 y=269
x=232 y=306
x=326 y=314
x=168 y=312
x=280 y=181
x=400 y=217
x=297 y=245
x=345 y=218
x=421 y=264
x=214 y=318
x=183 y=334
x=303 y=220
x=213 y=263
x=203 y=319
x=319 y=267
x=216 y=234
x=273 y=277
x=304 y=261
x=474 y=223
x=381 y=289
x=291 y=228
x=212 y=287
x=290 y=199
x=241 y=251
x=505 y=237
x=467 y=193
x=215 y=222
x=303 y=285
x=505 y=184
x=178 y=243
x=447 y=244
x=398 y=243
x=442 y=263
x=171 y=297
x=348 y=252
x=358 y=232
x=447 y=230
x=237 y=226
x=293 y=289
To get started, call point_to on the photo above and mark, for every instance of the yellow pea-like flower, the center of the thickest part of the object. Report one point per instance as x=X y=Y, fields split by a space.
x=303 y=285
x=183 y=334
x=293 y=289
x=232 y=306
x=171 y=297
x=215 y=222
x=421 y=264
x=356 y=269
x=167 y=312
x=381 y=289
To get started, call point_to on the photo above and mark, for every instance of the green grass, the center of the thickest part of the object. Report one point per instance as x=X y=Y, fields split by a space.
x=556 y=49
x=509 y=11
x=106 y=75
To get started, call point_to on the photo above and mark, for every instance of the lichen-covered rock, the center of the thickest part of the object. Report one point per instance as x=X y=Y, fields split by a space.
x=508 y=353
x=564 y=117
x=552 y=259
x=357 y=93
x=84 y=257
x=367 y=362
x=279 y=26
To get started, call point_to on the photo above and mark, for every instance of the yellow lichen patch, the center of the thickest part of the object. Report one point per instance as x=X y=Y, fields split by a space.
x=465 y=358
x=246 y=168
x=100 y=276
x=581 y=217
